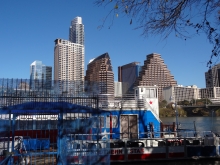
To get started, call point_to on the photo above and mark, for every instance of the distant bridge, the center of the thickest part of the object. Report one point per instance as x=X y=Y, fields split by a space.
x=210 y=107
x=207 y=106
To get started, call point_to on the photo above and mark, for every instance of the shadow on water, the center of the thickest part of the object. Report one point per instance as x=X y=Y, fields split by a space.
x=174 y=162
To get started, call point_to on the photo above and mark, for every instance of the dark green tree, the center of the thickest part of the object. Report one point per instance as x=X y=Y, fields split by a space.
x=162 y=104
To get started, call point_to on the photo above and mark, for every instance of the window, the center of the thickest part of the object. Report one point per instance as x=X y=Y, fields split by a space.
x=114 y=121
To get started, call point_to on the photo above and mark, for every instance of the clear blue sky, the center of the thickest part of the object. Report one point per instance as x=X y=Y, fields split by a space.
x=28 y=29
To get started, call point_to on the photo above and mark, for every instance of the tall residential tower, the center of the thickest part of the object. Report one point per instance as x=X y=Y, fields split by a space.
x=69 y=58
x=76 y=31
x=69 y=64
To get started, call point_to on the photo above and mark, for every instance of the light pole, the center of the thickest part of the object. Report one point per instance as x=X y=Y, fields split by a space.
x=174 y=106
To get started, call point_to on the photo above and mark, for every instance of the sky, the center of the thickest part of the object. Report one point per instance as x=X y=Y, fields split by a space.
x=28 y=29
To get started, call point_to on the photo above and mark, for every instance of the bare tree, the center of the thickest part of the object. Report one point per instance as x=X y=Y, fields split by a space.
x=163 y=17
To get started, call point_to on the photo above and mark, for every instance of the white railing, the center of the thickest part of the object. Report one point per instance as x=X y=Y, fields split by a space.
x=122 y=101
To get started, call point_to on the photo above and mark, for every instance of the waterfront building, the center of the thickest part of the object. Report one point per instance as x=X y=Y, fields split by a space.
x=180 y=93
x=69 y=65
x=211 y=93
x=155 y=72
x=191 y=93
x=40 y=75
x=127 y=74
x=212 y=76
x=100 y=70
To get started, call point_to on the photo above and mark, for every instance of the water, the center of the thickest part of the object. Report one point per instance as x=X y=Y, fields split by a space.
x=201 y=123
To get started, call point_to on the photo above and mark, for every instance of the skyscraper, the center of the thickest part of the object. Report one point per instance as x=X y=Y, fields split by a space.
x=212 y=76
x=127 y=74
x=40 y=75
x=69 y=58
x=69 y=64
x=155 y=72
x=76 y=31
x=100 y=70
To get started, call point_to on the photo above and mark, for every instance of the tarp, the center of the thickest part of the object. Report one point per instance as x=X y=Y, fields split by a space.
x=36 y=144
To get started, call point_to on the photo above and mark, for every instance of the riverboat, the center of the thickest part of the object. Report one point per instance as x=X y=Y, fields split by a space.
x=125 y=130
x=168 y=147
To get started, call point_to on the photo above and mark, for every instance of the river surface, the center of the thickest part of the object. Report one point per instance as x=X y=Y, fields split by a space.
x=201 y=123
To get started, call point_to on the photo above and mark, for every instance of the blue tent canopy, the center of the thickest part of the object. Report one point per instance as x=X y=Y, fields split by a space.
x=50 y=107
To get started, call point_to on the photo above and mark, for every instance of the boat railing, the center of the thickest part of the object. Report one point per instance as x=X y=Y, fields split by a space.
x=168 y=141
x=195 y=135
x=120 y=101
x=131 y=149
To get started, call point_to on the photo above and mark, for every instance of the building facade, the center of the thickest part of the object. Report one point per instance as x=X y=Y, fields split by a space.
x=69 y=59
x=211 y=93
x=155 y=72
x=40 y=74
x=69 y=65
x=99 y=70
x=180 y=93
x=127 y=74
x=117 y=89
x=212 y=77
x=76 y=31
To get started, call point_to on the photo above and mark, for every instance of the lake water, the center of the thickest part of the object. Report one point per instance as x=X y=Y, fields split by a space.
x=201 y=123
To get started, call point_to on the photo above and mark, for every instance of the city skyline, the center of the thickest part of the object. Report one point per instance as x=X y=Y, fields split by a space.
x=29 y=35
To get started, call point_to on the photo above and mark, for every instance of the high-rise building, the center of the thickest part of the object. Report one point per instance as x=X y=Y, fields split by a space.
x=40 y=75
x=48 y=77
x=118 y=89
x=155 y=72
x=69 y=64
x=212 y=77
x=179 y=93
x=100 y=70
x=76 y=31
x=69 y=59
x=127 y=74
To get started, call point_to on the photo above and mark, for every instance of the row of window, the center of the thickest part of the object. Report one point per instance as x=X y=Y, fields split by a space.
x=72 y=123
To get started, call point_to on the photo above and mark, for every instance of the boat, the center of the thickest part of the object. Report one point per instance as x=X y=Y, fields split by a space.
x=127 y=130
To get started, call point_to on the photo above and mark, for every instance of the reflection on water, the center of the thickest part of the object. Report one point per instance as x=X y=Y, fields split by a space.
x=202 y=123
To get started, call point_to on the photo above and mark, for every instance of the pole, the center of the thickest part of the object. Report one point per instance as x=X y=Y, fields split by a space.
x=195 y=129
x=176 y=117
x=212 y=120
x=174 y=106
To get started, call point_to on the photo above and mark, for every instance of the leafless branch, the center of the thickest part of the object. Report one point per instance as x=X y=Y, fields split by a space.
x=165 y=17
